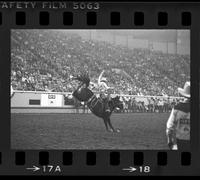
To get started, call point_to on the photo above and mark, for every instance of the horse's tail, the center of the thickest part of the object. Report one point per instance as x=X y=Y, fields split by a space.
x=84 y=78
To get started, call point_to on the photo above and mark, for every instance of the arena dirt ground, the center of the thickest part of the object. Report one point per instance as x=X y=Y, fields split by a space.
x=85 y=131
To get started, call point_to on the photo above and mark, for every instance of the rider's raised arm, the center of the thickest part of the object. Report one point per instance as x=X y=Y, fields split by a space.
x=105 y=85
x=100 y=76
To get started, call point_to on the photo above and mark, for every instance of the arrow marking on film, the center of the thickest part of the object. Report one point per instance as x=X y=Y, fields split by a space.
x=34 y=168
x=130 y=169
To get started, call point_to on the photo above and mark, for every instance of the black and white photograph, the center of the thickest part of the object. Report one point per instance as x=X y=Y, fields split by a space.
x=100 y=89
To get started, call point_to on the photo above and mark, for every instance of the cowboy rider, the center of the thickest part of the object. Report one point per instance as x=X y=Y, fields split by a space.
x=105 y=91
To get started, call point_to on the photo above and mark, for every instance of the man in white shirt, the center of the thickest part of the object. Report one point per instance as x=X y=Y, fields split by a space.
x=178 y=124
x=105 y=91
x=102 y=82
x=11 y=91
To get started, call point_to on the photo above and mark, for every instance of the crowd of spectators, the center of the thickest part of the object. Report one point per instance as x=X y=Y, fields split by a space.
x=150 y=104
x=133 y=104
x=44 y=60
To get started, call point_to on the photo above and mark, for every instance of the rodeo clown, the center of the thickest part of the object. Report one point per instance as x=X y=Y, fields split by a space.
x=178 y=124
x=105 y=91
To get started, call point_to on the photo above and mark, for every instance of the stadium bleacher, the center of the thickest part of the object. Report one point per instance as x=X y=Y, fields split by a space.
x=43 y=60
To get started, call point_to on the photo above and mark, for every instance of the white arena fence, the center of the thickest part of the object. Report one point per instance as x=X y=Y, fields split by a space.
x=43 y=101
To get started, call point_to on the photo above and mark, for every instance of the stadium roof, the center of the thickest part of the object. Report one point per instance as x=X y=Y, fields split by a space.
x=156 y=35
x=160 y=35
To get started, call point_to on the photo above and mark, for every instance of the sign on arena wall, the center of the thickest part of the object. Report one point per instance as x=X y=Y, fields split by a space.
x=51 y=100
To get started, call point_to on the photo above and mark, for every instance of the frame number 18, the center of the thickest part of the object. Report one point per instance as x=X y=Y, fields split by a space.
x=144 y=169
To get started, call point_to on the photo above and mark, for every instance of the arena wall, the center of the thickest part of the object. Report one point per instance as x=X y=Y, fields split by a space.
x=33 y=102
x=42 y=102
x=23 y=99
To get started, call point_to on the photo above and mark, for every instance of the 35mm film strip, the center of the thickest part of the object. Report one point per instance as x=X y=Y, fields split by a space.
x=99 y=88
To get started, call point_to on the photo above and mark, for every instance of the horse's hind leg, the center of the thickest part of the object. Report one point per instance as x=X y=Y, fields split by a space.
x=111 y=126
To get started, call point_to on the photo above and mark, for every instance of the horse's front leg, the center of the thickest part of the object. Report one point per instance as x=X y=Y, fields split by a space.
x=106 y=123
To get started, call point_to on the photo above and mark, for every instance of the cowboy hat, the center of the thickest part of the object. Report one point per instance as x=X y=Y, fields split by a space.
x=186 y=90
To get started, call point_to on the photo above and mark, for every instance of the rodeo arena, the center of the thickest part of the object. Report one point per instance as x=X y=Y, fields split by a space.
x=57 y=101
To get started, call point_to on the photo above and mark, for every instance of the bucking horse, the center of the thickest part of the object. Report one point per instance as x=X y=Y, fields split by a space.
x=96 y=104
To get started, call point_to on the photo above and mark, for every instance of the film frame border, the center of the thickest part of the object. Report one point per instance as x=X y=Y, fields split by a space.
x=161 y=162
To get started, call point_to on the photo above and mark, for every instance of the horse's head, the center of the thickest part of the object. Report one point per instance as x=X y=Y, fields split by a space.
x=117 y=103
